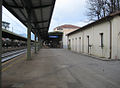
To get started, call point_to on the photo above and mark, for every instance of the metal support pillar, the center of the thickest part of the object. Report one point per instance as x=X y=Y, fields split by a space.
x=29 y=42
x=38 y=43
x=35 y=44
x=41 y=43
x=0 y=42
x=29 y=38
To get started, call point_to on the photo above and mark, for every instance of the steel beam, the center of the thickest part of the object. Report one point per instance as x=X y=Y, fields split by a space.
x=20 y=9
x=37 y=22
x=0 y=42
x=33 y=7
x=40 y=28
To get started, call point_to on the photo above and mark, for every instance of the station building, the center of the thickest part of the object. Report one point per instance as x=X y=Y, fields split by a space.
x=100 y=38
x=67 y=28
x=55 y=39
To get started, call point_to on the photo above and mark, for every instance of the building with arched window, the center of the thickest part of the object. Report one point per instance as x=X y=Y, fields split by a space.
x=65 y=29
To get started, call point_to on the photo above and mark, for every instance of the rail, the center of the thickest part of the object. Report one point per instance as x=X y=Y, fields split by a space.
x=9 y=55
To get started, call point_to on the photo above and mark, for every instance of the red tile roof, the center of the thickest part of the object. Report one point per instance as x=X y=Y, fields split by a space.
x=67 y=26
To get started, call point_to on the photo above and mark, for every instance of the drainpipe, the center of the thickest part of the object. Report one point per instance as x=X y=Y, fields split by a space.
x=83 y=42
x=0 y=41
x=110 y=39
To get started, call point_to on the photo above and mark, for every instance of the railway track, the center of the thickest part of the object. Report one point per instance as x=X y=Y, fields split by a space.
x=9 y=55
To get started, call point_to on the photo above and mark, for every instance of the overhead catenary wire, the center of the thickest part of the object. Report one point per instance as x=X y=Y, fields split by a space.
x=16 y=24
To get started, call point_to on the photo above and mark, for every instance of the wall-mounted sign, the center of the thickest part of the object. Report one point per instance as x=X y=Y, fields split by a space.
x=53 y=36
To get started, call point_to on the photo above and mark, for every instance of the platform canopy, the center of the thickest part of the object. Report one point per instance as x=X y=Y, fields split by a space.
x=11 y=35
x=37 y=12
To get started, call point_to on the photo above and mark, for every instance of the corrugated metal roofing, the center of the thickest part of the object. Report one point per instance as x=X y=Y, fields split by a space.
x=41 y=13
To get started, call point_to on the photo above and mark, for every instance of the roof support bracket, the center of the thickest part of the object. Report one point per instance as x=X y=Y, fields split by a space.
x=0 y=40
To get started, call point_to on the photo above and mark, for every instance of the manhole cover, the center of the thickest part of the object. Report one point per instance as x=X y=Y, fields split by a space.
x=17 y=85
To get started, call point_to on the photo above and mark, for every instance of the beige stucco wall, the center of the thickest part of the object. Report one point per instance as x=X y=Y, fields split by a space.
x=116 y=37
x=79 y=40
x=95 y=40
x=65 y=38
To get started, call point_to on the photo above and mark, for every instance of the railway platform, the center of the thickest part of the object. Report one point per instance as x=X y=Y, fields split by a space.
x=59 y=68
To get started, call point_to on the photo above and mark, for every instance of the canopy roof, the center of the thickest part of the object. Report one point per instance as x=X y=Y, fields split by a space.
x=37 y=12
x=11 y=35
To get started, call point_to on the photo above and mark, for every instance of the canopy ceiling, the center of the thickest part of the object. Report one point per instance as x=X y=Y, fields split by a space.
x=38 y=12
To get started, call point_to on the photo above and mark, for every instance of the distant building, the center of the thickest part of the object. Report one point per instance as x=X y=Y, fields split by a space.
x=100 y=38
x=5 y=25
x=55 y=39
x=65 y=29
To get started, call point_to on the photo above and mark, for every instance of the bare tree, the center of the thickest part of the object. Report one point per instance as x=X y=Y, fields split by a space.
x=100 y=8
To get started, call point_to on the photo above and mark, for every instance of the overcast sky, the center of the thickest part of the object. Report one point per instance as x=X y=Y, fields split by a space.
x=69 y=12
x=65 y=12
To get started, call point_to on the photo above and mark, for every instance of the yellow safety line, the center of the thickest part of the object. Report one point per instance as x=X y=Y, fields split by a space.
x=8 y=61
x=4 y=69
